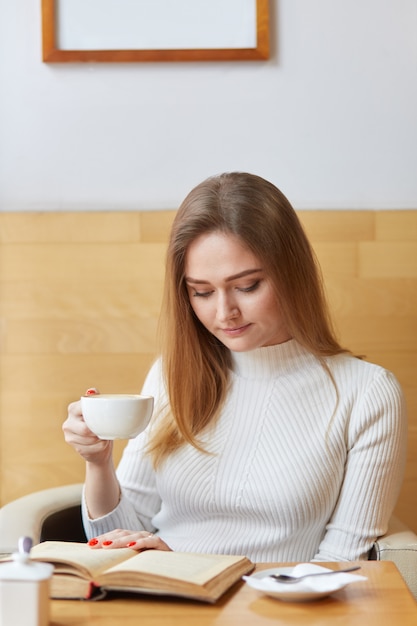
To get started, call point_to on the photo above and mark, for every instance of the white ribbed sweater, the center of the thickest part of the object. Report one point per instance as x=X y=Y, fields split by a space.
x=284 y=482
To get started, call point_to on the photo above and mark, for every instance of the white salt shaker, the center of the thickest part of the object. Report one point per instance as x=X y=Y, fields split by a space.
x=24 y=589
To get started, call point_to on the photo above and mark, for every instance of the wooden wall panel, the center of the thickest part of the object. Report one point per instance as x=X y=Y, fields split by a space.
x=387 y=259
x=79 y=300
x=93 y=262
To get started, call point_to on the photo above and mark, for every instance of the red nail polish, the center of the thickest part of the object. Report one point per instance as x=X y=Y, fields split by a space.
x=93 y=542
x=91 y=392
x=107 y=543
x=131 y=544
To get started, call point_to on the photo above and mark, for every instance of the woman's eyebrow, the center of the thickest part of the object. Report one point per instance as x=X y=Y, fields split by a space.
x=196 y=281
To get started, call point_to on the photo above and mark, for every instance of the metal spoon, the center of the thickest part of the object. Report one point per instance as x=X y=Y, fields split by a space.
x=288 y=578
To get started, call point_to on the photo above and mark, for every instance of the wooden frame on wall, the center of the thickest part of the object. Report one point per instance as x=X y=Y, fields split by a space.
x=222 y=37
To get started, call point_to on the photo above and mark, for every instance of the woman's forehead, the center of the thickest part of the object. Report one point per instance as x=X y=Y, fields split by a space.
x=222 y=255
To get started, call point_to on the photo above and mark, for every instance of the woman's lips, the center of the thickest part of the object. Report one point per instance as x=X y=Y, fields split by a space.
x=236 y=331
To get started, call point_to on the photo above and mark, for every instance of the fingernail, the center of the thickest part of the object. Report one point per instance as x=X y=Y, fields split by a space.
x=131 y=544
x=107 y=543
x=93 y=542
x=91 y=392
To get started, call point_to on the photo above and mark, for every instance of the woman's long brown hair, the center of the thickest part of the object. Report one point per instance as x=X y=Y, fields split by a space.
x=196 y=365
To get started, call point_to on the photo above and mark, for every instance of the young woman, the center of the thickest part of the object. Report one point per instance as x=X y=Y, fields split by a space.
x=268 y=439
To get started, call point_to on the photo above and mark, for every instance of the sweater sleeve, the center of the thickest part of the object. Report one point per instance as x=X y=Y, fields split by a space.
x=376 y=453
x=139 y=500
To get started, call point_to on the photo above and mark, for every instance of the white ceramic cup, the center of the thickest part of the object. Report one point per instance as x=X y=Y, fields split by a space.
x=116 y=416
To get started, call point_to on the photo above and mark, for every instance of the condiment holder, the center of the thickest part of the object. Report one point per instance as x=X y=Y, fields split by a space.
x=24 y=589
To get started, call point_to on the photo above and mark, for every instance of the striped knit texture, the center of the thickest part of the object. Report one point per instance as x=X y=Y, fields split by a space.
x=287 y=477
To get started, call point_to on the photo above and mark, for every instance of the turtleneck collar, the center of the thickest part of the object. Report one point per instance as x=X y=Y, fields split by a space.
x=270 y=361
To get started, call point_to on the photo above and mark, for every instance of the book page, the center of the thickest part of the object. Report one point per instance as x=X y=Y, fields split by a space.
x=90 y=563
x=188 y=567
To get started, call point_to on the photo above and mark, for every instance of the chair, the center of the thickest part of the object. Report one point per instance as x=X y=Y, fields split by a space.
x=49 y=514
x=55 y=514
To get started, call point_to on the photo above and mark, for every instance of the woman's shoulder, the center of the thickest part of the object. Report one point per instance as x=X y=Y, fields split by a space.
x=154 y=380
x=347 y=360
x=361 y=372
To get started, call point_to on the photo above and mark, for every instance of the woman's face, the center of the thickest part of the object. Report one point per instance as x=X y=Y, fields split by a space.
x=231 y=294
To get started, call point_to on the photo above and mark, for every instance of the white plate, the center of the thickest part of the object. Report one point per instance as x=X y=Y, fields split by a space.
x=306 y=590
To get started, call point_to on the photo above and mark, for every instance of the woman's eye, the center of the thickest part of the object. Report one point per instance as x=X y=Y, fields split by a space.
x=208 y=293
x=252 y=287
x=202 y=294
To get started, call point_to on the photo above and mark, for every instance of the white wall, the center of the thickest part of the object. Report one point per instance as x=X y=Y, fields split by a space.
x=331 y=118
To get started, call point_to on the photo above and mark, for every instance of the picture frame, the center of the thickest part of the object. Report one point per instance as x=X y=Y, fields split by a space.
x=130 y=31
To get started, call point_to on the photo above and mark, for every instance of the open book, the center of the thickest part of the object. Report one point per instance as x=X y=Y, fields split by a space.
x=81 y=572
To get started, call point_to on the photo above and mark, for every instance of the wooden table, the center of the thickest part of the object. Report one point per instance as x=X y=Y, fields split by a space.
x=383 y=600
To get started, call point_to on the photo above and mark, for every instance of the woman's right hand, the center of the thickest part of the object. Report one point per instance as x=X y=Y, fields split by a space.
x=79 y=436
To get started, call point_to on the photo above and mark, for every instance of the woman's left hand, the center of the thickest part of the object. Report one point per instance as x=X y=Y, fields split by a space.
x=136 y=540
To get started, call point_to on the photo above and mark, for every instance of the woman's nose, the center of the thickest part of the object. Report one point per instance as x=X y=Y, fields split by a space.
x=227 y=309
